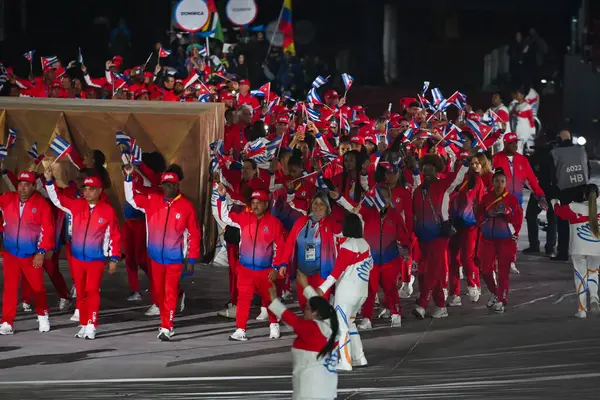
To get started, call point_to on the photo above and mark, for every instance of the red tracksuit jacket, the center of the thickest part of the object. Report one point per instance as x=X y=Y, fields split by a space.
x=26 y=234
x=503 y=226
x=517 y=173
x=95 y=230
x=173 y=233
x=465 y=201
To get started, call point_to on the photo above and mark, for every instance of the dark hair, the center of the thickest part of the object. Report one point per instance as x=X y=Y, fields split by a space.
x=176 y=169
x=357 y=186
x=155 y=161
x=468 y=135
x=499 y=172
x=101 y=172
x=592 y=194
x=296 y=159
x=431 y=159
x=325 y=311
x=257 y=130
x=251 y=161
x=345 y=139
x=352 y=226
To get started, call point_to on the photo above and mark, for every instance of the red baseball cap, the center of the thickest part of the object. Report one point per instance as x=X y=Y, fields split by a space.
x=27 y=176
x=245 y=82
x=283 y=119
x=331 y=94
x=117 y=61
x=371 y=138
x=361 y=119
x=357 y=139
x=226 y=95
x=140 y=92
x=510 y=137
x=93 y=182
x=359 y=109
x=169 y=177
x=260 y=195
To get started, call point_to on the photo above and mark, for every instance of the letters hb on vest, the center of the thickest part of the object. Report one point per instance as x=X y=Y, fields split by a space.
x=571 y=167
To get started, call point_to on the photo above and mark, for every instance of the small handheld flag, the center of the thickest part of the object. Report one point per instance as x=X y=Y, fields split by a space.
x=60 y=147
x=29 y=55
x=136 y=153
x=3 y=152
x=123 y=139
x=33 y=153
x=162 y=53
x=48 y=61
x=348 y=80
x=313 y=97
x=203 y=52
x=425 y=88
x=319 y=81
x=437 y=96
x=12 y=138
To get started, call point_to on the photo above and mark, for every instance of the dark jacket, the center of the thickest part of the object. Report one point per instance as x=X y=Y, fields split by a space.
x=565 y=196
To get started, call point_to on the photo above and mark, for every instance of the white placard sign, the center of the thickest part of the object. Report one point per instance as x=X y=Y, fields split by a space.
x=191 y=15
x=241 y=12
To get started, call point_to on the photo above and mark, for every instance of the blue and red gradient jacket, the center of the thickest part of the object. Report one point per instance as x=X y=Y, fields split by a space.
x=29 y=233
x=173 y=233
x=260 y=239
x=384 y=232
x=502 y=226
x=517 y=173
x=145 y=181
x=464 y=202
x=431 y=203
x=95 y=230
x=328 y=229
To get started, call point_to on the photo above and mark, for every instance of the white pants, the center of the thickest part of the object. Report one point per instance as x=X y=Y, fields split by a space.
x=350 y=345
x=585 y=269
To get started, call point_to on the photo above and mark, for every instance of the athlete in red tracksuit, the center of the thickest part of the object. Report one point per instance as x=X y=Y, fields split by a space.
x=261 y=234
x=431 y=211
x=463 y=206
x=95 y=238
x=500 y=217
x=28 y=235
x=173 y=235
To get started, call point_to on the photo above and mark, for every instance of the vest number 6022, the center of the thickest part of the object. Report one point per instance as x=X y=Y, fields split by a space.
x=574 y=168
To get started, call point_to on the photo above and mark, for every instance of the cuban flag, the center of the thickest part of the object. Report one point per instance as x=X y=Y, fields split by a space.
x=29 y=55
x=262 y=151
x=60 y=147
x=414 y=124
x=271 y=104
x=327 y=155
x=162 y=53
x=48 y=61
x=3 y=152
x=204 y=98
x=313 y=115
x=410 y=133
x=476 y=129
x=437 y=96
x=33 y=151
x=319 y=81
x=425 y=103
x=425 y=88
x=457 y=99
x=202 y=52
x=374 y=197
x=313 y=97
x=494 y=117
x=263 y=91
x=136 y=153
x=348 y=80
x=12 y=138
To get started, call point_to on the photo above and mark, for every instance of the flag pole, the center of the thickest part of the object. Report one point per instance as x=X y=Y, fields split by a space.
x=207 y=47
x=275 y=31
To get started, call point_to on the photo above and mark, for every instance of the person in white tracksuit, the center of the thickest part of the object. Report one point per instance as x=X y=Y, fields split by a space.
x=584 y=247
x=351 y=272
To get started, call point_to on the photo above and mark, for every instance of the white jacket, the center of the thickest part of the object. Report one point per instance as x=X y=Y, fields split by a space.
x=522 y=120
x=351 y=270
x=582 y=241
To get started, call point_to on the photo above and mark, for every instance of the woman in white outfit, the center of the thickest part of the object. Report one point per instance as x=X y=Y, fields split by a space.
x=351 y=272
x=584 y=247
x=314 y=351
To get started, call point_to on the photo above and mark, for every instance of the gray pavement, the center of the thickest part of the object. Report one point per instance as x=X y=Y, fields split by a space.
x=535 y=350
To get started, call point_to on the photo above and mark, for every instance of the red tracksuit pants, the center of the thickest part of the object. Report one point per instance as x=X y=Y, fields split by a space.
x=433 y=270
x=13 y=267
x=313 y=280
x=233 y=259
x=249 y=282
x=503 y=250
x=165 y=279
x=385 y=275
x=136 y=254
x=88 y=278
x=56 y=277
x=462 y=252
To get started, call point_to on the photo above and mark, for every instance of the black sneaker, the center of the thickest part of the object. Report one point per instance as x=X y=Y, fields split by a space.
x=532 y=250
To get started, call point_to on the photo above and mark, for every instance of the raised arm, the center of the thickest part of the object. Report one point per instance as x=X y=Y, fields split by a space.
x=137 y=201
x=56 y=197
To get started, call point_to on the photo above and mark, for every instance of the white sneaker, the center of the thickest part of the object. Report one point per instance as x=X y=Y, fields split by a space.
x=439 y=312
x=493 y=300
x=396 y=321
x=134 y=296
x=81 y=332
x=6 y=329
x=364 y=324
x=26 y=307
x=419 y=312
x=474 y=293
x=75 y=316
x=594 y=307
x=581 y=314
x=286 y=295
x=43 y=323
x=182 y=302
x=90 y=332
x=513 y=268
x=454 y=301
x=165 y=335
x=461 y=273
x=498 y=308
x=360 y=363
x=385 y=314
x=153 y=311
x=264 y=315
x=229 y=312
x=239 y=335
x=64 y=304
x=274 y=331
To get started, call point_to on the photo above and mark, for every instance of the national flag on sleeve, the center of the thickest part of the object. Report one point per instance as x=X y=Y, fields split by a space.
x=60 y=147
x=29 y=55
x=162 y=53
x=319 y=81
x=313 y=97
x=286 y=28
x=12 y=138
x=48 y=61
x=437 y=96
x=425 y=88
x=348 y=81
x=477 y=132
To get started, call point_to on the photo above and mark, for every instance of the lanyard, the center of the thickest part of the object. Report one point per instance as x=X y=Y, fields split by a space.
x=496 y=201
x=465 y=183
